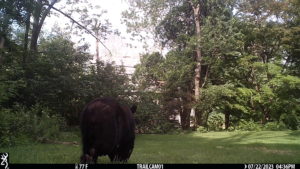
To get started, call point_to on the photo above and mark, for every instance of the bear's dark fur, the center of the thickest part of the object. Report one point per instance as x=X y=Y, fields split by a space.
x=107 y=128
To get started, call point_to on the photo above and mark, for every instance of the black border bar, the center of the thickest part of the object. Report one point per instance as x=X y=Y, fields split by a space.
x=153 y=166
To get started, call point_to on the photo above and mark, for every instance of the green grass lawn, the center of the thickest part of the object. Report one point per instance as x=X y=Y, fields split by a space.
x=213 y=147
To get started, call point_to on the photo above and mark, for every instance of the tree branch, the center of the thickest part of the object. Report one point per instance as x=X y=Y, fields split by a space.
x=83 y=27
x=46 y=13
x=206 y=76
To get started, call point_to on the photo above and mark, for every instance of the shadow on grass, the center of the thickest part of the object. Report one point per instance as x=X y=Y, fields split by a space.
x=244 y=147
x=218 y=147
x=287 y=137
x=295 y=133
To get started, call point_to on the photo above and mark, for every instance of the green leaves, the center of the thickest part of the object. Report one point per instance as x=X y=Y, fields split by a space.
x=149 y=72
x=248 y=56
x=216 y=97
x=178 y=71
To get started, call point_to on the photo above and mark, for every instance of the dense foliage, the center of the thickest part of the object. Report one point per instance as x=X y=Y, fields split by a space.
x=60 y=80
x=234 y=64
x=249 y=50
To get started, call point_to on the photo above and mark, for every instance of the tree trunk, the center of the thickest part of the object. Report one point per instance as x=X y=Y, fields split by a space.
x=35 y=31
x=4 y=32
x=227 y=119
x=97 y=47
x=26 y=35
x=38 y=21
x=96 y=30
x=198 y=58
x=205 y=123
x=199 y=118
x=185 y=118
x=265 y=116
x=2 y=41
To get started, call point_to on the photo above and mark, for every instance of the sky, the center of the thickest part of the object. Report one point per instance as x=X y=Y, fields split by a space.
x=121 y=52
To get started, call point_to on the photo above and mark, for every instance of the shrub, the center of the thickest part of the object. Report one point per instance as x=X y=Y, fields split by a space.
x=248 y=125
x=274 y=126
x=20 y=125
x=215 y=121
x=201 y=129
x=290 y=120
x=231 y=128
x=13 y=127
x=150 y=118
x=45 y=123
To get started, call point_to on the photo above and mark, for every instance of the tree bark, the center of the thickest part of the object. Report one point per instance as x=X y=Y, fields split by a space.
x=265 y=115
x=200 y=118
x=198 y=57
x=227 y=119
x=185 y=118
x=26 y=35
x=97 y=47
x=96 y=30
x=2 y=41
x=39 y=18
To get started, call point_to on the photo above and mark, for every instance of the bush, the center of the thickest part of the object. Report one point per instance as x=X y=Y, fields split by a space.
x=215 y=122
x=248 y=125
x=201 y=129
x=149 y=116
x=20 y=125
x=231 y=128
x=45 y=123
x=290 y=120
x=13 y=127
x=274 y=126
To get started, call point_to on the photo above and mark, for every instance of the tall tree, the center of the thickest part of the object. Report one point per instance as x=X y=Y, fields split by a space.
x=41 y=11
x=197 y=7
x=180 y=22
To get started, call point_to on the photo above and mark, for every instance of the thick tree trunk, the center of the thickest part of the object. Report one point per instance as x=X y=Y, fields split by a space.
x=39 y=17
x=185 y=118
x=35 y=27
x=3 y=33
x=227 y=119
x=34 y=38
x=265 y=116
x=185 y=113
x=26 y=35
x=198 y=58
x=205 y=123
x=199 y=118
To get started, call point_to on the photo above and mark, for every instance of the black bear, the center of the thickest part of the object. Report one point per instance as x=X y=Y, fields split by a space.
x=107 y=128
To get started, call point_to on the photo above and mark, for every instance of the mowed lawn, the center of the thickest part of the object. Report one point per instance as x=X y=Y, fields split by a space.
x=213 y=147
